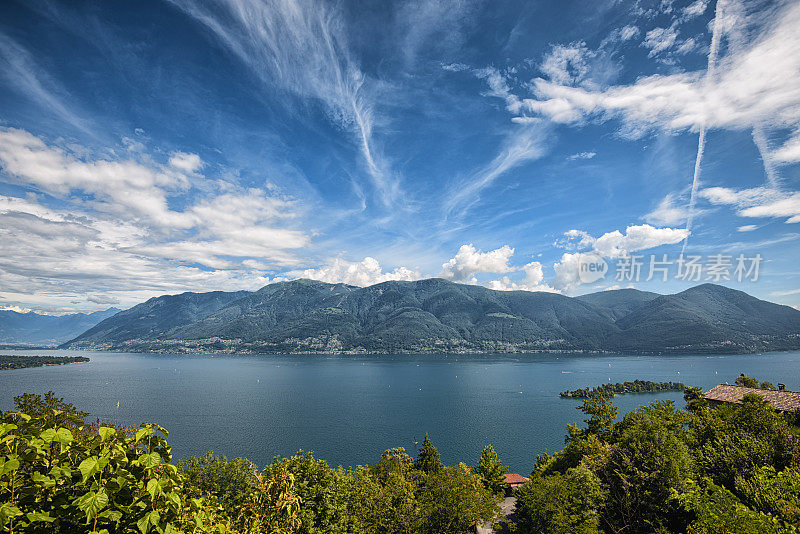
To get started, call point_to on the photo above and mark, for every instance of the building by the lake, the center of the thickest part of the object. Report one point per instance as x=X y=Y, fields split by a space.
x=781 y=399
x=514 y=482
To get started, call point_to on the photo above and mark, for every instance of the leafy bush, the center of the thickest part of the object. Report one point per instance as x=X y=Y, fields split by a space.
x=717 y=511
x=561 y=503
x=53 y=481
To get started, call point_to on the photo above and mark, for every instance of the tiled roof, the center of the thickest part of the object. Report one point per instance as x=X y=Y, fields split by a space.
x=513 y=478
x=784 y=401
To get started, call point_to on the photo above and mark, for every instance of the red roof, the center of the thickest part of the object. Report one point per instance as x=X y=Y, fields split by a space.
x=513 y=478
x=784 y=401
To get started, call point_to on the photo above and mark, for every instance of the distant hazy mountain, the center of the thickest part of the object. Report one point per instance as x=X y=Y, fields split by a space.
x=35 y=329
x=435 y=315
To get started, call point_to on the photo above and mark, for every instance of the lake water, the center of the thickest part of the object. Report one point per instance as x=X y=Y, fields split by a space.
x=348 y=409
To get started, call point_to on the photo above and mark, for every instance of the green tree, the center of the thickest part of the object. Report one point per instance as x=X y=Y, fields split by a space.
x=229 y=482
x=739 y=440
x=274 y=506
x=561 y=503
x=384 y=495
x=602 y=414
x=323 y=491
x=716 y=510
x=50 y=409
x=747 y=381
x=650 y=456
x=453 y=500
x=491 y=470
x=766 y=384
x=775 y=492
x=428 y=460
x=695 y=401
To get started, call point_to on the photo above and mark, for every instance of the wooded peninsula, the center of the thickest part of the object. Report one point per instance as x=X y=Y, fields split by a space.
x=637 y=386
x=13 y=361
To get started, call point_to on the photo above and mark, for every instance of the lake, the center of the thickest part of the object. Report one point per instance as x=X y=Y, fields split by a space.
x=348 y=409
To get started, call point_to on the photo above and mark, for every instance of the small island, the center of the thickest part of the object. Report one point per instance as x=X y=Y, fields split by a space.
x=12 y=361
x=609 y=390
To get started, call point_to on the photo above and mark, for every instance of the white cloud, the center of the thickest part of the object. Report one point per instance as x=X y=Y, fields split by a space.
x=523 y=144
x=567 y=269
x=695 y=9
x=611 y=245
x=188 y=163
x=567 y=64
x=752 y=87
x=117 y=186
x=301 y=46
x=100 y=299
x=747 y=228
x=582 y=155
x=790 y=151
x=469 y=261
x=532 y=281
x=785 y=293
x=22 y=73
x=660 y=39
x=628 y=32
x=108 y=229
x=615 y=244
x=361 y=273
x=686 y=46
x=575 y=240
x=757 y=202
x=669 y=212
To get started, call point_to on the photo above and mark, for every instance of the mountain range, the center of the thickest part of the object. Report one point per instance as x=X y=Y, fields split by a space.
x=435 y=315
x=36 y=329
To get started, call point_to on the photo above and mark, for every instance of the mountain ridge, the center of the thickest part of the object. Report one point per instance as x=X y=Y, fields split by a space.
x=436 y=315
x=34 y=328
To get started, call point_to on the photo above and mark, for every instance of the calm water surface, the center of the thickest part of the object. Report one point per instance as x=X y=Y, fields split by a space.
x=348 y=409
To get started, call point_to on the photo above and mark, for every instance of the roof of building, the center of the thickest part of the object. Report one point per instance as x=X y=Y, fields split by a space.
x=782 y=400
x=513 y=478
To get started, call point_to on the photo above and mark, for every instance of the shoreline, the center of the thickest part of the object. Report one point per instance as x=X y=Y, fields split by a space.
x=697 y=352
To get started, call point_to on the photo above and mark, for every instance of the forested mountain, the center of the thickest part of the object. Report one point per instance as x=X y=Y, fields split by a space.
x=435 y=315
x=37 y=329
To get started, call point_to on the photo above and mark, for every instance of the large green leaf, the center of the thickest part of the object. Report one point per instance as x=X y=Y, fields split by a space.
x=8 y=511
x=40 y=516
x=8 y=466
x=43 y=480
x=48 y=435
x=92 y=502
x=89 y=467
x=153 y=488
x=150 y=460
x=147 y=522
x=64 y=436
x=106 y=432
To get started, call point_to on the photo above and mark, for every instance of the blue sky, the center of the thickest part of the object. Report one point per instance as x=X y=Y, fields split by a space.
x=189 y=145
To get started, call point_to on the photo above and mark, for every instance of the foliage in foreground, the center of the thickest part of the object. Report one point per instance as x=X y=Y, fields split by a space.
x=58 y=474
x=704 y=470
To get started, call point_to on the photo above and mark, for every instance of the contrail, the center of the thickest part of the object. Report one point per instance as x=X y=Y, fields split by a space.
x=716 y=36
x=760 y=139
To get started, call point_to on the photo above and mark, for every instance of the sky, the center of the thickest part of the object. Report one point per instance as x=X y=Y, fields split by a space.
x=566 y=146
